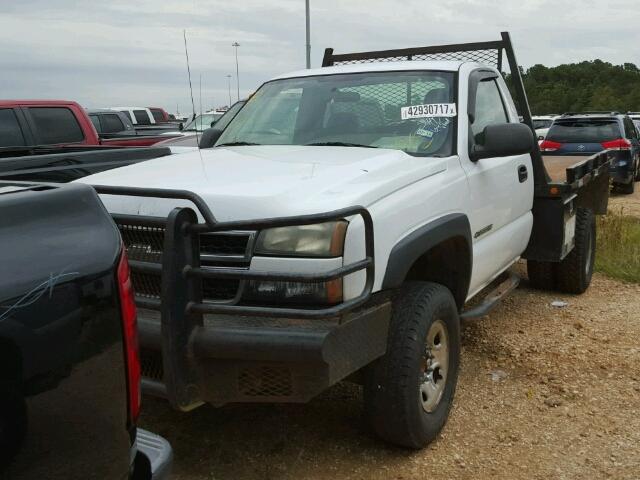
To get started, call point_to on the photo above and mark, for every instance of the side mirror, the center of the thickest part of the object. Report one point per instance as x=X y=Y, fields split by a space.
x=209 y=137
x=503 y=140
x=181 y=126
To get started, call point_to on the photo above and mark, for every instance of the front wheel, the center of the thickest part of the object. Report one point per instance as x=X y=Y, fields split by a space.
x=409 y=391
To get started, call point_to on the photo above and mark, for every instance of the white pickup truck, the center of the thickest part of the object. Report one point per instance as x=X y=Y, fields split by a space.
x=338 y=228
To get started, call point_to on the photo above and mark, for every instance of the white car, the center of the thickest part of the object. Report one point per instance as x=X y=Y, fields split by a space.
x=542 y=123
x=337 y=230
x=138 y=115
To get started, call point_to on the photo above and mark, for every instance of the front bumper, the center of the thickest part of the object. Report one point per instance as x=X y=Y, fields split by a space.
x=202 y=348
x=157 y=451
x=256 y=359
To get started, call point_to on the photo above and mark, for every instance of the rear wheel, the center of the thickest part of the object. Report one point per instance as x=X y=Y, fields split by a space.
x=576 y=270
x=409 y=391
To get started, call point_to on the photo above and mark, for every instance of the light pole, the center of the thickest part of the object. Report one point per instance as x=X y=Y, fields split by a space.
x=229 y=85
x=236 y=45
x=308 y=33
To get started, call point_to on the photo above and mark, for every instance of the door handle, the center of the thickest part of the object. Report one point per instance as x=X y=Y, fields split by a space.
x=523 y=173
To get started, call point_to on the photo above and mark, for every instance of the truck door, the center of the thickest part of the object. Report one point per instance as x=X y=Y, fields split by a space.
x=501 y=189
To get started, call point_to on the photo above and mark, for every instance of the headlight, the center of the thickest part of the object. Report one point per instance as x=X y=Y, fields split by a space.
x=318 y=240
x=321 y=240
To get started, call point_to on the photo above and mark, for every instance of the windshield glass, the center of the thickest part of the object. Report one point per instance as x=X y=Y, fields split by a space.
x=584 y=131
x=410 y=111
x=202 y=122
x=541 y=123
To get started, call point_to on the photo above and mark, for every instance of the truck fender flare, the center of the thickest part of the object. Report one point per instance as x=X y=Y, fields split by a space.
x=411 y=247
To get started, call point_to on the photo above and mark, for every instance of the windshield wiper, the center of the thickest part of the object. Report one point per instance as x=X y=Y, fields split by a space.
x=337 y=144
x=237 y=144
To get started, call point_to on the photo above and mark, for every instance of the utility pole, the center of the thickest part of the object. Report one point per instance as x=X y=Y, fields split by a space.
x=229 y=85
x=308 y=33
x=236 y=45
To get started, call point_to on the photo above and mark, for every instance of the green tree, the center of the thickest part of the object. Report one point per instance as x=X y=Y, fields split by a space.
x=588 y=85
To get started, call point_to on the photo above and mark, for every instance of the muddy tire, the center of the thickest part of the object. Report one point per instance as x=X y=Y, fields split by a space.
x=542 y=275
x=409 y=391
x=575 y=271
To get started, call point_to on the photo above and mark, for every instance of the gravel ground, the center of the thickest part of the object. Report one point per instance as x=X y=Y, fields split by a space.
x=629 y=204
x=544 y=392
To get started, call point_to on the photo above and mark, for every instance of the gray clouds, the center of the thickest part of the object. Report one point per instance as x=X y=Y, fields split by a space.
x=123 y=52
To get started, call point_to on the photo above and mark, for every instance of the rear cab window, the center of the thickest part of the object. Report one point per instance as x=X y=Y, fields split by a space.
x=112 y=123
x=55 y=125
x=584 y=130
x=142 y=118
x=157 y=115
x=10 y=131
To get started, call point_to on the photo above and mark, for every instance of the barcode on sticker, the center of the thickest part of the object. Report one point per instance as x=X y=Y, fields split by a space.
x=428 y=110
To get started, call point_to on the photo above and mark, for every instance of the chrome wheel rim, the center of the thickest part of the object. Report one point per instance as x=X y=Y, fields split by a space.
x=435 y=366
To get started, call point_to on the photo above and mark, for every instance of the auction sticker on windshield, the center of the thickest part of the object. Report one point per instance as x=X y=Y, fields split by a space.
x=428 y=110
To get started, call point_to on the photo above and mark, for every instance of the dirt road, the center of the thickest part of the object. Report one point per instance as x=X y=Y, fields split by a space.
x=544 y=392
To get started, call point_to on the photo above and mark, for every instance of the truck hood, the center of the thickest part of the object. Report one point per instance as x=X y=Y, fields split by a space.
x=240 y=183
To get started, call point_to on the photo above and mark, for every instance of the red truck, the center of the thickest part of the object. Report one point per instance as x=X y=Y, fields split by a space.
x=25 y=124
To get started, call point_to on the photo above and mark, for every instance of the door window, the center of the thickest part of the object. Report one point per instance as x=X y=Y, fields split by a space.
x=489 y=108
x=56 y=125
x=10 y=131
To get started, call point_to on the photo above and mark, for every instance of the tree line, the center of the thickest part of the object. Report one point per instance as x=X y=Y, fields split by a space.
x=576 y=87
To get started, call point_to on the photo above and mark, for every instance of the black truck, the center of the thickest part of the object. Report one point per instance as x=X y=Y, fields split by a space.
x=69 y=364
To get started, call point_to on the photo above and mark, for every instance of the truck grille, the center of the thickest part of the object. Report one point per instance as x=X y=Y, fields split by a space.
x=230 y=249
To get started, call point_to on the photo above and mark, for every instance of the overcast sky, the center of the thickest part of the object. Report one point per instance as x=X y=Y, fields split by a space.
x=130 y=52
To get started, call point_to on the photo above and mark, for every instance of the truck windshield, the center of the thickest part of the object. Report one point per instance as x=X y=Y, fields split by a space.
x=410 y=111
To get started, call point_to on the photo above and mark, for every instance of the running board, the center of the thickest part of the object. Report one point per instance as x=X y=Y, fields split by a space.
x=492 y=299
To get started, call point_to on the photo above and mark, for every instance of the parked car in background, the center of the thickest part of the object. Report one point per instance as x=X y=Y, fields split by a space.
x=178 y=117
x=591 y=132
x=160 y=115
x=542 y=123
x=137 y=115
x=69 y=363
x=191 y=139
x=111 y=123
x=203 y=121
x=30 y=126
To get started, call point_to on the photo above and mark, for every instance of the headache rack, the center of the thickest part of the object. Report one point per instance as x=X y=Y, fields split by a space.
x=170 y=249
